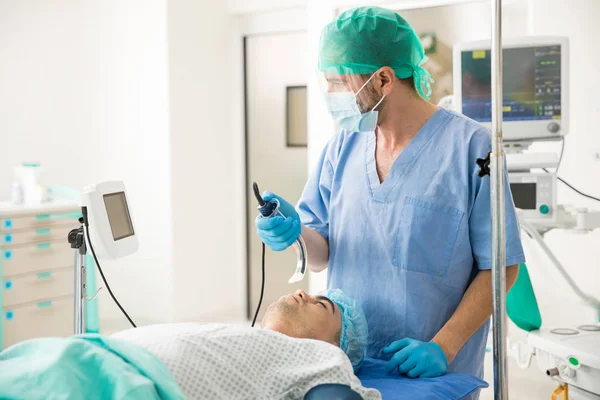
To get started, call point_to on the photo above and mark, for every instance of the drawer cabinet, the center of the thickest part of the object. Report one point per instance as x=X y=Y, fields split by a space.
x=36 y=271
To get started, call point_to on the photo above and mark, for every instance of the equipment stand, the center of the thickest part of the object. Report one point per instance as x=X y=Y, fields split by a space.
x=497 y=184
x=77 y=241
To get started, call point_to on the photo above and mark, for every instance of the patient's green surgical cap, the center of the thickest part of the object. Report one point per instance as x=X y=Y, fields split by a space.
x=365 y=39
x=354 y=334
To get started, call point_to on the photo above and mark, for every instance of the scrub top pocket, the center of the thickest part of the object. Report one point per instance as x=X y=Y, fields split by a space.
x=426 y=237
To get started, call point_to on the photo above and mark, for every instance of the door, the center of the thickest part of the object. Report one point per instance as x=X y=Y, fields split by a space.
x=276 y=155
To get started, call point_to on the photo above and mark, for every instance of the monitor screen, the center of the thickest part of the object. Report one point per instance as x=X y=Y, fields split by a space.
x=531 y=83
x=118 y=215
x=524 y=195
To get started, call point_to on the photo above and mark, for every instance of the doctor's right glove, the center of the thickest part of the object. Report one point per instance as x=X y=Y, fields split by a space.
x=279 y=232
x=416 y=359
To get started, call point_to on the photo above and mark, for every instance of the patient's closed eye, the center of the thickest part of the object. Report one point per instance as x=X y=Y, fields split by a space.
x=322 y=300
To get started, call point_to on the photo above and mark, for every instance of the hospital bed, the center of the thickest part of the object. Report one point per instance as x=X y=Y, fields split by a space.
x=109 y=368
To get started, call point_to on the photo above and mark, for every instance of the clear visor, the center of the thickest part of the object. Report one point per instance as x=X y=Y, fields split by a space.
x=361 y=87
x=341 y=79
x=339 y=83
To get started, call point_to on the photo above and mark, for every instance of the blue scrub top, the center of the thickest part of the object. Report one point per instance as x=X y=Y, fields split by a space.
x=408 y=248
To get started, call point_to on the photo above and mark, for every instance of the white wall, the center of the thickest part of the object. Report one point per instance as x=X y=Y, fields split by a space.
x=91 y=77
x=257 y=6
x=208 y=223
x=40 y=94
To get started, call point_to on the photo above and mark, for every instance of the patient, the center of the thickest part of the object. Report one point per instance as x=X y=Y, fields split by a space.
x=305 y=341
x=297 y=348
x=302 y=316
x=332 y=317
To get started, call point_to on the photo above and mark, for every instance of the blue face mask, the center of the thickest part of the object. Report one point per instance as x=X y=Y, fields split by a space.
x=345 y=111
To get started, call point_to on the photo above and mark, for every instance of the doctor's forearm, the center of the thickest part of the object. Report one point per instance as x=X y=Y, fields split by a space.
x=317 y=248
x=473 y=311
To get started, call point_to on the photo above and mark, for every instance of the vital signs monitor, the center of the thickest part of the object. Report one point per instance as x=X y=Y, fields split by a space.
x=534 y=85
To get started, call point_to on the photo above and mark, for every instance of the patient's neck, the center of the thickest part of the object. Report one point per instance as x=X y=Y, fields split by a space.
x=278 y=327
x=297 y=332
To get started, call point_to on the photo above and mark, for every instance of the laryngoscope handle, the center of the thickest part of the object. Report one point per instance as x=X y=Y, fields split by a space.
x=271 y=209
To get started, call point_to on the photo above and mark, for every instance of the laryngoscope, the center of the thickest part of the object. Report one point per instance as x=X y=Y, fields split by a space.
x=271 y=209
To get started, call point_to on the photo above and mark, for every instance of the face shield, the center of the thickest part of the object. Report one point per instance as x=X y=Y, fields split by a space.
x=352 y=100
x=353 y=48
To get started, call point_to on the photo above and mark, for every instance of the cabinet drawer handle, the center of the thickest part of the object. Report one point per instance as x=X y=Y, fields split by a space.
x=44 y=275
x=43 y=246
x=44 y=304
x=45 y=231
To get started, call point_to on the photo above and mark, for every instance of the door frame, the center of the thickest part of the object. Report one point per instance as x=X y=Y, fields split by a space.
x=245 y=26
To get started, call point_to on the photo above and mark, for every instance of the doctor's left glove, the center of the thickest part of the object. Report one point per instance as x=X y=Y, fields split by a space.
x=279 y=232
x=416 y=359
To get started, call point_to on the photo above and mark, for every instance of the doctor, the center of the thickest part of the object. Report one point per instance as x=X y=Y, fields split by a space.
x=395 y=208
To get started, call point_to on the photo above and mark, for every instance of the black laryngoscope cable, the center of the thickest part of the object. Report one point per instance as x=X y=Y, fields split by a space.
x=87 y=233
x=265 y=209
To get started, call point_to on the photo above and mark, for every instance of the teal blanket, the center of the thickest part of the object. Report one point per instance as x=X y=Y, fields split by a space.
x=83 y=367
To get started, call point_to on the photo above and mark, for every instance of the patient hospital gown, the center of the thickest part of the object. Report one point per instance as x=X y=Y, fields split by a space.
x=216 y=361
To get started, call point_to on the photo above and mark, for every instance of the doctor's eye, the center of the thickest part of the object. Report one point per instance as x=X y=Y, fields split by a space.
x=337 y=84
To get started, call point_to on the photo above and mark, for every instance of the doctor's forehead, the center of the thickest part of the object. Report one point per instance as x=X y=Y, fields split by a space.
x=335 y=77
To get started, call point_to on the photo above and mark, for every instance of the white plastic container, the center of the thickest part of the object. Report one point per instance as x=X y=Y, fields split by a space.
x=27 y=182
x=17 y=196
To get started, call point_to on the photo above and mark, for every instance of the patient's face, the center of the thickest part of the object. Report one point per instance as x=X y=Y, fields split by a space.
x=302 y=316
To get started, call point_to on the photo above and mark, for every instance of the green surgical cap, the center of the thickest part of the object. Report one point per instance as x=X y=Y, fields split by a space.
x=365 y=39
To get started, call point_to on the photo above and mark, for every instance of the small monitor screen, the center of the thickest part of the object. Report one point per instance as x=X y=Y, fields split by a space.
x=524 y=195
x=118 y=215
x=531 y=83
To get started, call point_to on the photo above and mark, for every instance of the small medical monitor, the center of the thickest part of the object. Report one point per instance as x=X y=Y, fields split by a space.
x=524 y=195
x=111 y=226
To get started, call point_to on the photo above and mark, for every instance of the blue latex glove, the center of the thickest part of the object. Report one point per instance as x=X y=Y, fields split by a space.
x=278 y=232
x=416 y=359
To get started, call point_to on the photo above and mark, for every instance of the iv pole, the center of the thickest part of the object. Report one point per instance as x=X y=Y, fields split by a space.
x=76 y=239
x=497 y=205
